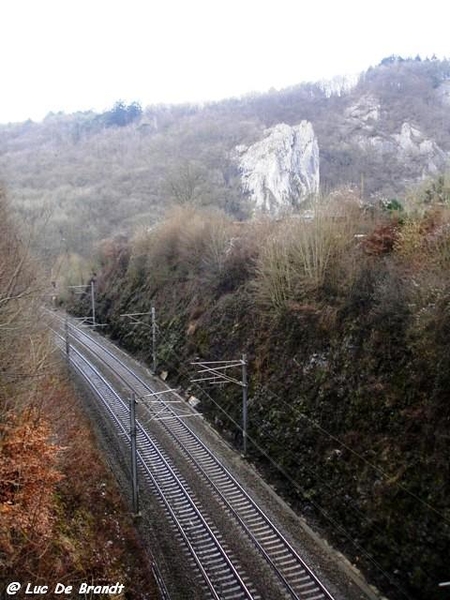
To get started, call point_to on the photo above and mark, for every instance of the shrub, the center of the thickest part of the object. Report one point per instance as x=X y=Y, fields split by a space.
x=189 y=243
x=302 y=256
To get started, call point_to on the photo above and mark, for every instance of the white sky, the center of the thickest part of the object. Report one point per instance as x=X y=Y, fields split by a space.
x=74 y=55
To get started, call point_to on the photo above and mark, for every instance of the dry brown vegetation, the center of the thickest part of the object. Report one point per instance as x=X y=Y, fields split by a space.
x=94 y=180
x=302 y=257
x=344 y=318
x=296 y=259
x=61 y=517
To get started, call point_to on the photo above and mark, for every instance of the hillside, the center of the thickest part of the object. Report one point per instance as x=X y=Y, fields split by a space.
x=343 y=316
x=89 y=176
x=62 y=518
x=344 y=321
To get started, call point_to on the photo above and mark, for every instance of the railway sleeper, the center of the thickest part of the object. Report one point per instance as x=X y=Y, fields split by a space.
x=319 y=596
x=257 y=524
x=232 y=591
x=268 y=538
x=245 y=513
x=225 y=576
x=277 y=548
x=188 y=510
x=210 y=554
x=230 y=492
x=302 y=575
x=199 y=540
x=173 y=491
x=308 y=587
x=225 y=481
x=290 y=566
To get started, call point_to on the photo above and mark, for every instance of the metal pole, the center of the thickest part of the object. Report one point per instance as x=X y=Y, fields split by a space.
x=134 y=474
x=244 y=404
x=66 y=331
x=93 y=300
x=154 y=339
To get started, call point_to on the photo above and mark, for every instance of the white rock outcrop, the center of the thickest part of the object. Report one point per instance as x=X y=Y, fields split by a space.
x=412 y=143
x=409 y=144
x=411 y=140
x=282 y=169
x=366 y=111
x=443 y=92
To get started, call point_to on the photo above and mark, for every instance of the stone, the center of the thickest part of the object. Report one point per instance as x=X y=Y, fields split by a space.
x=281 y=171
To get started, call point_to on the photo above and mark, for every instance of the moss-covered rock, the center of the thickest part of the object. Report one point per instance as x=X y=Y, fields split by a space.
x=348 y=403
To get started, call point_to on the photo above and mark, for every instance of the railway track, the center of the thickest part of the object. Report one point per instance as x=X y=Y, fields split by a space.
x=221 y=575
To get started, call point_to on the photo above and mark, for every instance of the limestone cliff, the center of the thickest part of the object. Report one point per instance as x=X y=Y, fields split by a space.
x=407 y=144
x=281 y=170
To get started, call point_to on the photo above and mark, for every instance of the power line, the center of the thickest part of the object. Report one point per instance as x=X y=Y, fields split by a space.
x=340 y=528
x=385 y=475
x=333 y=437
x=182 y=372
x=216 y=372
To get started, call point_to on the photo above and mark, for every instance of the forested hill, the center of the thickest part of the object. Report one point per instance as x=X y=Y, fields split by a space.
x=343 y=318
x=92 y=175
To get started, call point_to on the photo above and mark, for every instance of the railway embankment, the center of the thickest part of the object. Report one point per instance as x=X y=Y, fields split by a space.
x=63 y=525
x=344 y=324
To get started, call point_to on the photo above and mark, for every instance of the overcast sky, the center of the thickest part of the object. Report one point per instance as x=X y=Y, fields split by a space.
x=74 y=55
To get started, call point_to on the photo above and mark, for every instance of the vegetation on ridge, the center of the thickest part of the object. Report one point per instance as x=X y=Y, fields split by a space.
x=345 y=323
x=61 y=516
x=92 y=176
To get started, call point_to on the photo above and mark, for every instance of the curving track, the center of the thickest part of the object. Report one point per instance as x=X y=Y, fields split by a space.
x=219 y=572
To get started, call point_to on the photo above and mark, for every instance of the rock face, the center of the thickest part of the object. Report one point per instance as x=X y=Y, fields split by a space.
x=365 y=112
x=443 y=92
x=281 y=170
x=409 y=144
x=412 y=143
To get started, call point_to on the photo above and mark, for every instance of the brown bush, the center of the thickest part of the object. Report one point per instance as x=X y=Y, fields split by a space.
x=190 y=242
x=301 y=256
x=61 y=517
x=28 y=478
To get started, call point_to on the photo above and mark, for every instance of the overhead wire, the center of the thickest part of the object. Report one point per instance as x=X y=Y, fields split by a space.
x=380 y=471
x=183 y=372
x=339 y=527
x=333 y=437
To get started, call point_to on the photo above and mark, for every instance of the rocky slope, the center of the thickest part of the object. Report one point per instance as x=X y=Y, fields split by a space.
x=90 y=177
x=282 y=170
x=345 y=325
x=408 y=144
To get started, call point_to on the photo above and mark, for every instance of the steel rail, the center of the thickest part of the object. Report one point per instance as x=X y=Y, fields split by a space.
x=212 y=560
x=292 y=571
